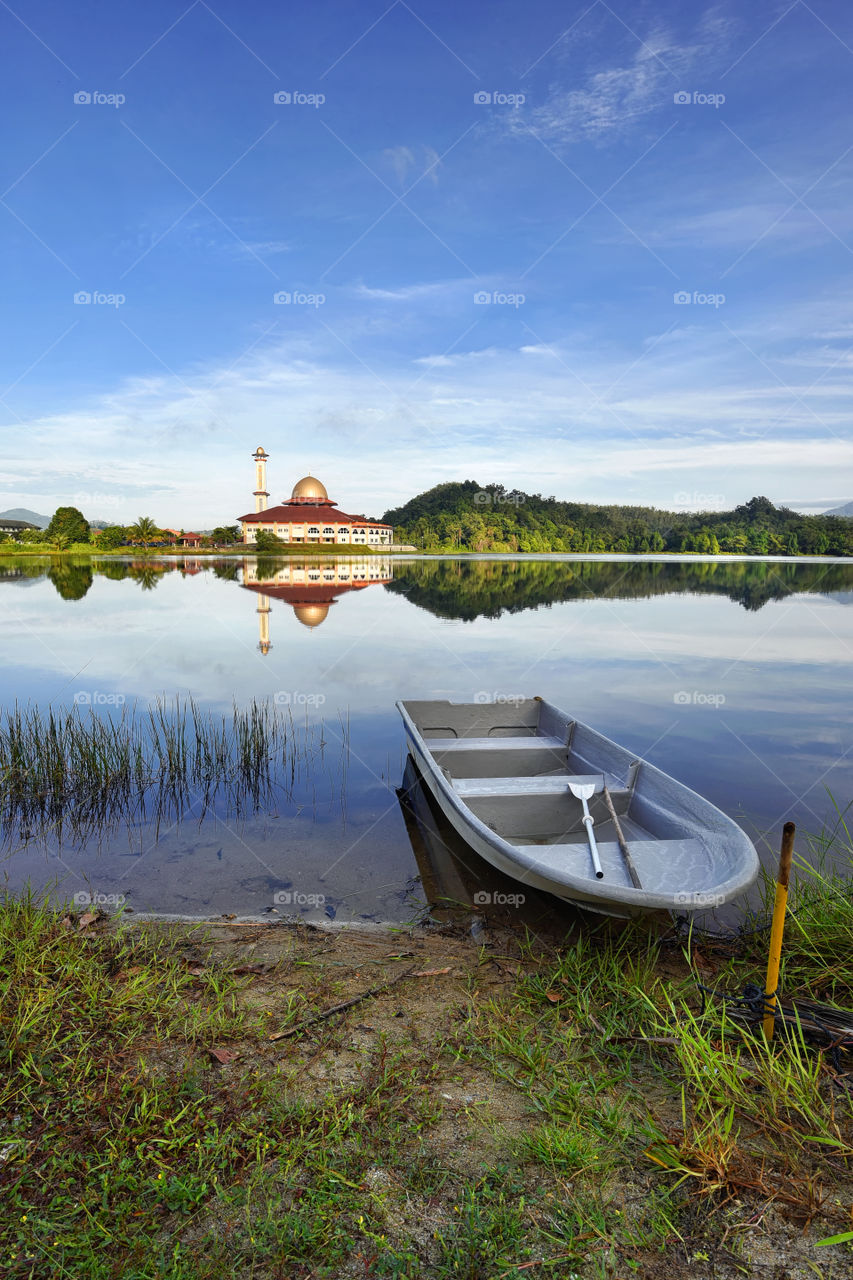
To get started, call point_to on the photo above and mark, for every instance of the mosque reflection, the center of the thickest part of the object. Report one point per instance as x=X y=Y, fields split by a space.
x=310 y=587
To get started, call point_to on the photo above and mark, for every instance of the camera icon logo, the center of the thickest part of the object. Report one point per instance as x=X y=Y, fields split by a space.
x=482 y=898
x=81 y=297
x=83 y=698
x=482 y=297
x=481 y=98
x=282 y=898
x=681 y=298
x=681 y=98
x=82 y=98
x=682 y=698
x=82 y=899
x=282 y=98
x=281 y=298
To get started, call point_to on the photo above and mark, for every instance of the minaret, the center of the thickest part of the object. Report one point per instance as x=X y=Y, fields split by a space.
x=264 y=610
x=261 y=495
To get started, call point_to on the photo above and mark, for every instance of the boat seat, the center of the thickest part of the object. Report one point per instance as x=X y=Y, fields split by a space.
x=521 y=743
x=522 y=786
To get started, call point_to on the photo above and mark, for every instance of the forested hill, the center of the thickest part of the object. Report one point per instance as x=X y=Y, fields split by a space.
x=475 y=517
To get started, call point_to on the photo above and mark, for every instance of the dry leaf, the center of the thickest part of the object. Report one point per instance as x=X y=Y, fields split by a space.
x=222 y=1055
x=553 y=996
x=87 y=918
x=196 y=970
x=431 y=973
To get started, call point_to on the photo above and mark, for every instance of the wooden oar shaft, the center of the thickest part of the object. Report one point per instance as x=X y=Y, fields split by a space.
x=777 y=929
x=623 y=843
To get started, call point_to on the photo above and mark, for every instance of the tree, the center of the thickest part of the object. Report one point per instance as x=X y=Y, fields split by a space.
x=115 y=535
x=69 y=524
x=144 y=531
x=266 y=541
x=227 y=533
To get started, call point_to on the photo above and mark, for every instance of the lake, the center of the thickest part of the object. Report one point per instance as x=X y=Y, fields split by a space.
x=732 y=675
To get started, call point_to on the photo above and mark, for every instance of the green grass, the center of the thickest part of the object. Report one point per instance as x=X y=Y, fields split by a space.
x=645 y=1134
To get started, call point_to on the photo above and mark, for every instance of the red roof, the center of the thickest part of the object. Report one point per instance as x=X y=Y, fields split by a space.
x=299 y=511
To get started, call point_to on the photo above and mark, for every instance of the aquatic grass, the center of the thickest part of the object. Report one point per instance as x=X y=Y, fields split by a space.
x=76 y=767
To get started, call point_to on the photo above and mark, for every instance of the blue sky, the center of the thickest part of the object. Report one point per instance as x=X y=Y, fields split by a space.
x=655 y=199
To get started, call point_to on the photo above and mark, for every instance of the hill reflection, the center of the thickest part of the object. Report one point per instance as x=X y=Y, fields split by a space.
x=464 y=590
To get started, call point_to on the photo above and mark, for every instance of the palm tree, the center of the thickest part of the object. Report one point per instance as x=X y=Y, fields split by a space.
x=144 y=531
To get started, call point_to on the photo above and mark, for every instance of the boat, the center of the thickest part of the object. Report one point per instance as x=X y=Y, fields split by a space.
x=558 y=806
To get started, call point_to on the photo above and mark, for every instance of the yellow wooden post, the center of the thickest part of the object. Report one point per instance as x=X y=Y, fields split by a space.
x=777 y=929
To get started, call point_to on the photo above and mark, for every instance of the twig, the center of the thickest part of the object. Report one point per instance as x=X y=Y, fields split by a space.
x=346 y=1004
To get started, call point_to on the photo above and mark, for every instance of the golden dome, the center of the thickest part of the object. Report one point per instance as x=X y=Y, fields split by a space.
x=311 y=615
x=310 y=487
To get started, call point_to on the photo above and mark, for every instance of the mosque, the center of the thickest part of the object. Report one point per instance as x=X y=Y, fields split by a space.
x=308 y=515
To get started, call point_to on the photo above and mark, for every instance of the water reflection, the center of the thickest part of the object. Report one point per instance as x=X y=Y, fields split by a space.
x=734 y=677
x=469 y=589
x=310 y=587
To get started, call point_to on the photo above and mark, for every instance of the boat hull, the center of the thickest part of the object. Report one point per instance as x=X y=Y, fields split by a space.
x=692 y=857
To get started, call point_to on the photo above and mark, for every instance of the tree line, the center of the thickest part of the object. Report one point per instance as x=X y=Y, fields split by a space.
x=471 y=517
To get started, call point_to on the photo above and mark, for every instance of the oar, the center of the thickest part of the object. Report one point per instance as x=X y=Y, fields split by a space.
x=623 y=843
x=582 y=791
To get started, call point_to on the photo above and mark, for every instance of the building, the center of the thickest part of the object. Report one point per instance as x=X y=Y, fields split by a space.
x=310 y=588
x=14 y=527
x=308 y=515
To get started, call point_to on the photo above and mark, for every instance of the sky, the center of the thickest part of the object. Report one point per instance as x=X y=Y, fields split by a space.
x=597 y=250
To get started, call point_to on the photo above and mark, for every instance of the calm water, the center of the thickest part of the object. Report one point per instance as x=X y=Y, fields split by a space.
x=733 y=676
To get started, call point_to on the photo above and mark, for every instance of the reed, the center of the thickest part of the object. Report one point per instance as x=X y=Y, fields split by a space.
x=76 y=766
